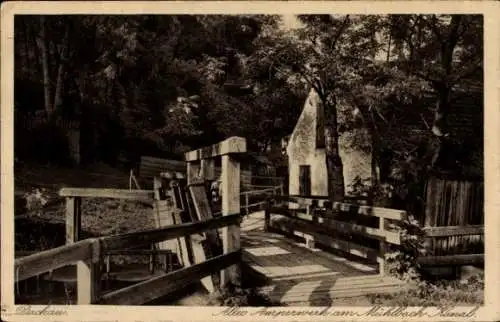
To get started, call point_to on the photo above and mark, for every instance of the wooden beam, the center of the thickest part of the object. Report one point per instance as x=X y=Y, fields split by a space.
x=208 y=169
x=305 y=230
x=193 y=172
x=446 y=231
x=141 y=195
x=231 y=145
x=380 y=212
x=137 y=252
x=73 y=219
x=88 y=275
x=211 y=246
x=376 y=233
x=146 y=237
x=383 y=248
x=42 y=262
x=463 y=259
x=340 y=226
x=230 y=204
x=323 y=202
x=147 y=291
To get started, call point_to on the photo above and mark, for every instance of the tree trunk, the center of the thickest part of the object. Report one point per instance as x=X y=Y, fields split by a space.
x=61 y=71
x=334 y=168
x=443 y=89
x=36 y=52
x=375 y=173
x=45 y=67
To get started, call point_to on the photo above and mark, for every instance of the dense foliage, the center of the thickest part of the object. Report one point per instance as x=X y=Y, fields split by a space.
x=158 y=84
x=149 y=84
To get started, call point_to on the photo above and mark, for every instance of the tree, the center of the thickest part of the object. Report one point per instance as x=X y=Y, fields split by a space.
x=148 y=82
x=444 y=51
x=326 y=54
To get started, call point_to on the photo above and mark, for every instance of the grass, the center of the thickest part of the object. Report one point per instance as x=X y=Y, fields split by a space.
x=39 y=227
x=441 y=293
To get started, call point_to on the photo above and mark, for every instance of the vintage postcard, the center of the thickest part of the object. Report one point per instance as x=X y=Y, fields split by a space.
x=250 y=160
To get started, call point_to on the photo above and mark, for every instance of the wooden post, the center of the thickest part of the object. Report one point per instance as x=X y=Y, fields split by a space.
x=107 y=264
x=73 y=219
x=89 y=277
x=152 y=259
x=230 y=205
x=267 y=218
x=246 y=204
x=383 y=248
x=163 y=213
x=193 y=171
x=208 y=169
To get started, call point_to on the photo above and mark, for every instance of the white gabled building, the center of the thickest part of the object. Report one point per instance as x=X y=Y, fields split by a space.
x=307 y=158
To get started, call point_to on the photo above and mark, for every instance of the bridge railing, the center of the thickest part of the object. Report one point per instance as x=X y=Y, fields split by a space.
x=88 y=255
x=257 y=198
x=341 y=226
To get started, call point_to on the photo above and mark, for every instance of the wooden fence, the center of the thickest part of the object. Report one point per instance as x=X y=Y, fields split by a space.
x=453 y=203
x=454 y=216
x=256 y=199
x=462 y=255
x=151 y=167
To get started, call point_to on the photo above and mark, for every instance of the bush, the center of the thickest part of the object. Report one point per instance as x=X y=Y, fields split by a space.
x=402 y=262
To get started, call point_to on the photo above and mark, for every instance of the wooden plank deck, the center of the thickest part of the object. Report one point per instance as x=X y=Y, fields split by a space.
x=297 y=275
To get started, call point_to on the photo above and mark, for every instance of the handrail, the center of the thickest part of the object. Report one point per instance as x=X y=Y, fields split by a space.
x=379 y=212
x=149 y=290
x=230 y=145
x=44 y=261
x=140 y=195
x=326 y=222
x=147 y=237
x=39 y=263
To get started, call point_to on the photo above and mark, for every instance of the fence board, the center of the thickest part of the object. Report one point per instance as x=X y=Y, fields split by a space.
x=147 y=291
x=446 y=231
x=300 y=228
x=138 y=239
x=139 y=195
x=461 y=259
x=39 y=263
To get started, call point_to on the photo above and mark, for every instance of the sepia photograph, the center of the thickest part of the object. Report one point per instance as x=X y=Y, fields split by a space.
x=249 y=160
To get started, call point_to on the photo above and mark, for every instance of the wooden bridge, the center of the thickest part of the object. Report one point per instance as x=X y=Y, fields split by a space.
x=303 y=251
